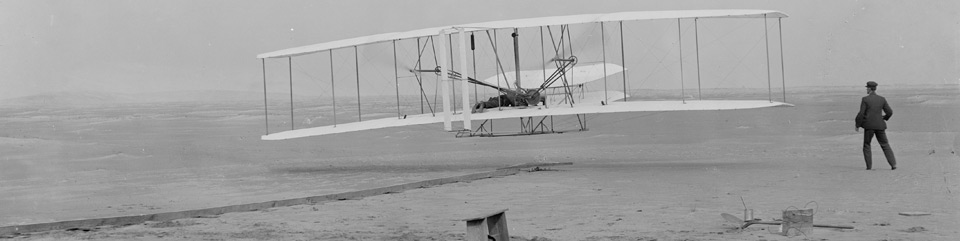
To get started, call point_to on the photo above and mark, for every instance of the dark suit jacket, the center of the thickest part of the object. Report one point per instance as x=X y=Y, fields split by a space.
x=870 y=116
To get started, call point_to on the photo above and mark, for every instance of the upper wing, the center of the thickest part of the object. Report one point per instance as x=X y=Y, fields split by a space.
x=527 y=22
x=584 y=108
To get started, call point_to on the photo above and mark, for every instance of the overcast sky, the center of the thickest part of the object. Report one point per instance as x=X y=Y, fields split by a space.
x=171 y=45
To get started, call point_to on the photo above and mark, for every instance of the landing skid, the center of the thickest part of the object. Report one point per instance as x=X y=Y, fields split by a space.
x=528 y=126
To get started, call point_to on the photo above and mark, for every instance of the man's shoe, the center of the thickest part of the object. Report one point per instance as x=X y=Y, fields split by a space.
x=868 y=169
x=893 y=168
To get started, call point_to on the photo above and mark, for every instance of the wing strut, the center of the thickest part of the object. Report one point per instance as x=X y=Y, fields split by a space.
x=356 y=62
x=680 y=44
x=396 y=77
x=290 y=68
x=603 y=45
x=783 y=79
x=266 y=119
x=696 y=37
x=333 y=89
x=473 y=53
x=543 y=58
x=623 y=59
x=464 y=86
x=453 y=88
x=516 y=56
x=444 y=79
x=766 y=43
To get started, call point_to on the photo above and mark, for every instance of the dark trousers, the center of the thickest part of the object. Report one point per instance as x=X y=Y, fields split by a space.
x=882 y=138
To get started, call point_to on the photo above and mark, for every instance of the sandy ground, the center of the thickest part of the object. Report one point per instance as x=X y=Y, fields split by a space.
x=636 y=176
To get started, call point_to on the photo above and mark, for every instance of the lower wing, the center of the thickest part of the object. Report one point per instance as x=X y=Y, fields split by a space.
x=593 y=107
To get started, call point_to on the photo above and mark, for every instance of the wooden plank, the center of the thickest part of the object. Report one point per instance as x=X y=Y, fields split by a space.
x=914 y=213
x=159 y=217
x=535 y=164
x=484 y=215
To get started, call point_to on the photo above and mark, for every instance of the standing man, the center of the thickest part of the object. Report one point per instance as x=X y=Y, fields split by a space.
x=874 y=112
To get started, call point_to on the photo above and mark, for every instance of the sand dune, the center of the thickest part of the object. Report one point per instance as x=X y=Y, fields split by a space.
x=645 y=176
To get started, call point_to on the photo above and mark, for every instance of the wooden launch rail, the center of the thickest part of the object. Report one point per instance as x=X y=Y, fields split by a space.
x=160 y=217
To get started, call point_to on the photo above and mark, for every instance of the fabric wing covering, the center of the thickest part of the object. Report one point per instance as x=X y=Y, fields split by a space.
x=583 y=108
x=528 y=22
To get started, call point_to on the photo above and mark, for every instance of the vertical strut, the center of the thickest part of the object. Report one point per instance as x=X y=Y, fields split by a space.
x=464 y=85
x=420 y=83
x=452 y=87
x=782 y=75
x=333 y=89
x=473 y=53
x=356 y=62
x=516 y=56
x=266 y=119
x=543 y=56
x=496 y=54
x=290 y=69
x=623 y=59
x=680 y=44
x=696 y=37
x=603 y=45
x=766 y=42
x=396 y=77
x=444 y=78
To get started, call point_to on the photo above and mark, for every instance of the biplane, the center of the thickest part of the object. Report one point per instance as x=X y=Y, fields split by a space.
x=554 y=87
